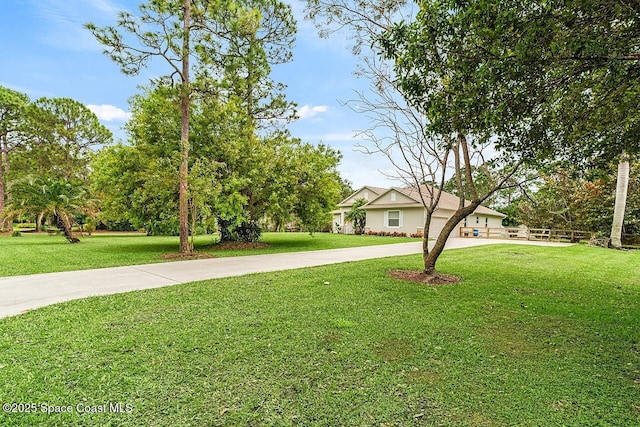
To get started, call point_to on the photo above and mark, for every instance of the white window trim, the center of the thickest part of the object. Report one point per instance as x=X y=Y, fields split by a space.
x=386 y=219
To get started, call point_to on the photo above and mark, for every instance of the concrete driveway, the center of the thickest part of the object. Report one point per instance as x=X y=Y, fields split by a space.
x=23 y=293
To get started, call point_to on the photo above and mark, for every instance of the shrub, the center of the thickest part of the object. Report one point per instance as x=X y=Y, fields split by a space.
x=89 y=226
x=387 y=233
x=398 y=234
x=16 y=234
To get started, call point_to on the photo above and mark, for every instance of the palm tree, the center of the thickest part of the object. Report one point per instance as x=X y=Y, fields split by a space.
x=56 y=198
x=358 y=216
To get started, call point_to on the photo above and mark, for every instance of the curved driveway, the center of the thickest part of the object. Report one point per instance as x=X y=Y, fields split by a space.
x=22 y=293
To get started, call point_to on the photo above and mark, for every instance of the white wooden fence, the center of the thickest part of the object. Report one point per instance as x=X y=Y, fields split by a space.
x=524 y=233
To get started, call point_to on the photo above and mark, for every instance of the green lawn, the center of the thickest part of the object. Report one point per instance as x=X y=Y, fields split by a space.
x=40 y=253
x=532 y=336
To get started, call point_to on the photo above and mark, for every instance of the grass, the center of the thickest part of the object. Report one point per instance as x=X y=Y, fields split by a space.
x=532 y=336
x=40 y=253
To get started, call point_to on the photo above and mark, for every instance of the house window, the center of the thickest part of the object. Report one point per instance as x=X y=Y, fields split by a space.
x=393 y=197
x=366 y=195
x=393 y=219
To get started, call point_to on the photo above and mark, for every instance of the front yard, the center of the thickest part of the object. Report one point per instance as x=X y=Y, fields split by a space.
x=41 y=253
x=532 y=336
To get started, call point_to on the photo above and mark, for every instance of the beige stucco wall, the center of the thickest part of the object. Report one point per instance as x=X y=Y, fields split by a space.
x=346 y=227
x=437 y=223
x=393 y=197
x=412 y=220
x=363 y=193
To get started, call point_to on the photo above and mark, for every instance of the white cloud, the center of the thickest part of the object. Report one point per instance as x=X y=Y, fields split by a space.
x=308 y=112
x=62 y=22
x=104 y=6
x=109 y=112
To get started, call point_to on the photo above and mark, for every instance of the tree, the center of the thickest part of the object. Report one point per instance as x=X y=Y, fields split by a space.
x=258 y=34
x=571 y=70
x=357 y=215
x=316 y=184
x=562 y=199
x=136 y=190
x=60 y=199
x=162 y=31
x=557 y=79
x=228 y=39
x=59 y=136
x=424 y=138
x=555 y=203
x=12 y=112
x=347 y=189
x=245 y=179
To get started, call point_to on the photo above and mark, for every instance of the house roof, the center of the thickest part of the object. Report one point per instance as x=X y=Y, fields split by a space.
x=447 y=200
x=375 y=190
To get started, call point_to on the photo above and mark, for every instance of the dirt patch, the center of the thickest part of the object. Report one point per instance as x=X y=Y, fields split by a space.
x=418 y=276
x=394 y=350
x=188 y=256
x=419 y=376
x=230 y=246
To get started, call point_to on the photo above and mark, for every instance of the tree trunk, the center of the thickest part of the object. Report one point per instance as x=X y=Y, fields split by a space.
x=425 y=236
x=2 y=193
x=622 y=186
x=5 y=192
x=185 y=246
x=432 y=257
x=66 y=229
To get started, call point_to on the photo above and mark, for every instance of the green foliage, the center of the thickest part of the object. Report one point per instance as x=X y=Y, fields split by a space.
x=567 y=202
x=12 y=116
x=240 y=177
x=52 y=139
x=357 y=215
x=56 y=198
x=551 y=80
x=246 y=231
x=16 y=234
x=234 y=109
x=346 y=188
x=60 y=135
x=317 y=185
x=12 y=105
x=137 y=188
x=279 y=179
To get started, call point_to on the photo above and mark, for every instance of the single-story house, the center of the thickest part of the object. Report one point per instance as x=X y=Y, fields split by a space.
x=340 y=224
x=401 y=210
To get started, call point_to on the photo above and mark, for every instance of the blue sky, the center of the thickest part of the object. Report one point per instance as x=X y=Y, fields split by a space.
x=48 y=53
